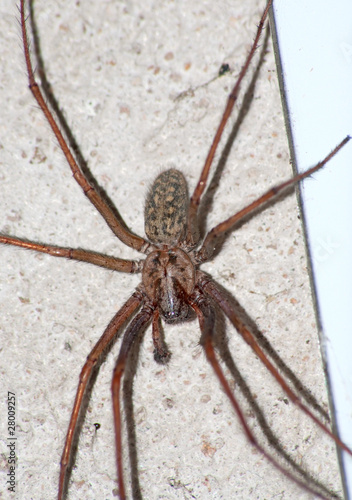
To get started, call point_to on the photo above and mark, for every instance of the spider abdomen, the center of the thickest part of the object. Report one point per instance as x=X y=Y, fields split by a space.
x=166 y=208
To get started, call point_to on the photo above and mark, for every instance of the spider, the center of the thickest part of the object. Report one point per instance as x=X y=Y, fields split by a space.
x=162 y=353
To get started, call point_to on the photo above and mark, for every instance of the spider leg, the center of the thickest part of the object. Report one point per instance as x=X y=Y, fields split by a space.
x=206 y=319
x=161 y=353
x=95 y=355
x=211 y=289
x=106 y=261
x=207 y=249
x=132 y=333
x=92 y=194
x=196 y=196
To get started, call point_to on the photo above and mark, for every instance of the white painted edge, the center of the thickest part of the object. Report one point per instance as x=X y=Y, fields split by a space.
x=315 y=45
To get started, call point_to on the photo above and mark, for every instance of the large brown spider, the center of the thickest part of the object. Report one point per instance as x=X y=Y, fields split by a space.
x=193 y=299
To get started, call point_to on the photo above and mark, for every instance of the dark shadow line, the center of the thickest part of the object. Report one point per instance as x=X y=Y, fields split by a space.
x=264 y=343
x=87 y=397
x=59 y=114
x=221 y=343
x=208 y=197
x=129 y=376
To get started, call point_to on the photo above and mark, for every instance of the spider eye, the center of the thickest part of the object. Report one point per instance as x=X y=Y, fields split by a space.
x=175 y=314
x=170 y=316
